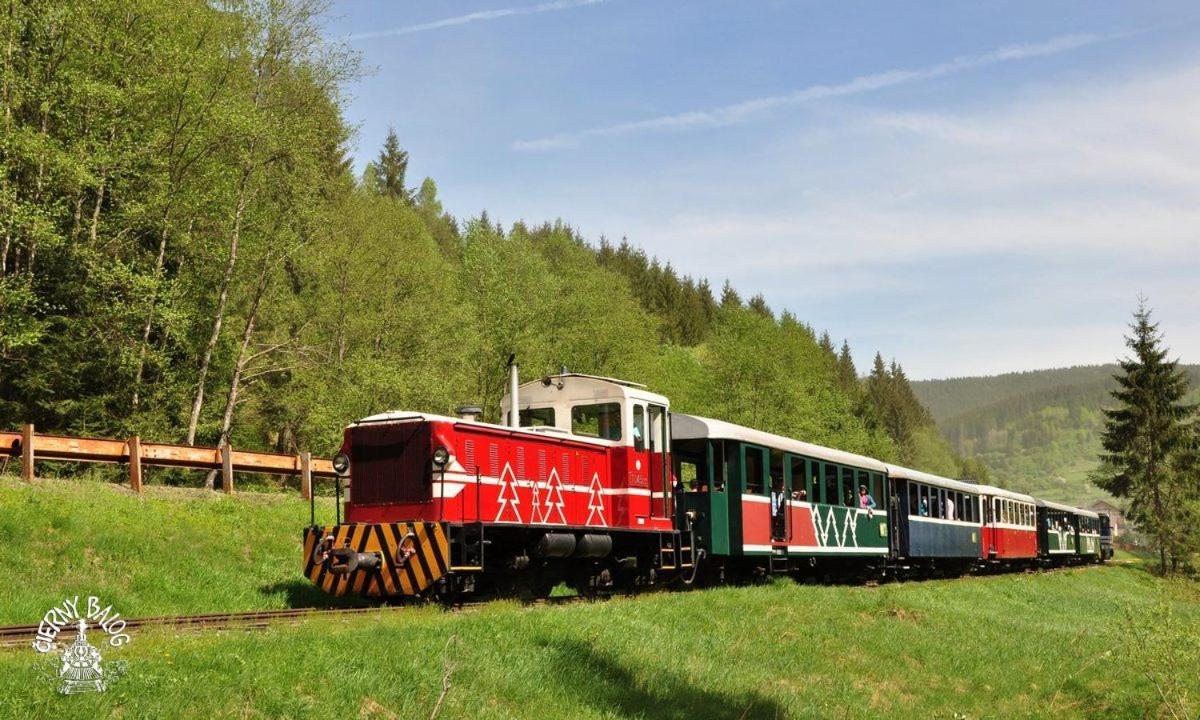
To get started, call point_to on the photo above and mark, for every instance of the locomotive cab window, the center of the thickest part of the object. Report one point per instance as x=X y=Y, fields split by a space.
x=639 y=427
x=537 y=417
x=599 y=421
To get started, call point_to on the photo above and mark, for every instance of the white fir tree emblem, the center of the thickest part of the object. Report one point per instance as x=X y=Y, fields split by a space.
x=535 y=504
x=508 y=499
x=554 y=500
x=596 y=502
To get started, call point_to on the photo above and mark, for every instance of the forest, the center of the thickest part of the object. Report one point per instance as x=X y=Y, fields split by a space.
x=187 y=253
x=1039 y=430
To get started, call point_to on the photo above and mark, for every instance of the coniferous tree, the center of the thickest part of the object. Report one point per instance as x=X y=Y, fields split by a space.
x=390 y=168
x=758 y=304
x=1148 y=440
x=846 y=372
x=729 y=297
x=826 y=343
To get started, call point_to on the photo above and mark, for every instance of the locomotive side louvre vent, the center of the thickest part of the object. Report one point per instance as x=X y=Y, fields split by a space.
x=520 y=463
x=469 y=456
x=541 y=476
x=390 y=463
x=494 y=459
x=566 y=468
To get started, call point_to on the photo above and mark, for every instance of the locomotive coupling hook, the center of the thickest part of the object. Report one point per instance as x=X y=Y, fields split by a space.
x=344 y=560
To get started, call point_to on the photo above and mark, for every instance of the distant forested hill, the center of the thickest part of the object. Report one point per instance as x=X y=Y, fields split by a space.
x=1036 y=431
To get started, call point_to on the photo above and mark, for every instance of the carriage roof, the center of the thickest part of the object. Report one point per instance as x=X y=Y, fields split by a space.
x=688 y=427
x=903 y=473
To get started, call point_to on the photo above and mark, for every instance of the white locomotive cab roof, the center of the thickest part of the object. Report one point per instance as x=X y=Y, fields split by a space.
x=1001 y=492
x=689 y=427
x=903 y=473
x=575 y=388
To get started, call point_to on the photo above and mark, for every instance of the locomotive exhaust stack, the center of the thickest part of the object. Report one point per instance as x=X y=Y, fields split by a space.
x=514 y=412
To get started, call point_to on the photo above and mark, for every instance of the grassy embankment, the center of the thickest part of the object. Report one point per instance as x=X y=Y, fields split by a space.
x=1026 y=645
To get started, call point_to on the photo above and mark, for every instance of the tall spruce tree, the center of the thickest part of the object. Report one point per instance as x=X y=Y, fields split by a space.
x=729 y=297
x=758 y=304
x=846 y=372
x=1147 y=440
x=390 y=168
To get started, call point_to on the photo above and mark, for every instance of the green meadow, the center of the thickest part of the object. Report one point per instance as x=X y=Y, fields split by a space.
x=1111 y=641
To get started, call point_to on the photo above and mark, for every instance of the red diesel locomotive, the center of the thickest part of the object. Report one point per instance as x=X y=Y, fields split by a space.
x=594 y=483
x=581 y=473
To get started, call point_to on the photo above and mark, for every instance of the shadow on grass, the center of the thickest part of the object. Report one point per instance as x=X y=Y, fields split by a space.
x=603 y=681
x=303 y=594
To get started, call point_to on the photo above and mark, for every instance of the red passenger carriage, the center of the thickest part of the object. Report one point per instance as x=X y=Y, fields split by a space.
x=1010 y=526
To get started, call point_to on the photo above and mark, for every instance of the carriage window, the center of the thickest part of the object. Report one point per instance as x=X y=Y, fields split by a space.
x=602 y=421
x=754 y=471
x=877 y=491
x=777 y=470
x=923 y=506
x=830 y=496
x=814 y=487
x=849 y=490
x=864 y=478
x=688 y=473
x=720 y=465
x=537 y=417
x=799 y=477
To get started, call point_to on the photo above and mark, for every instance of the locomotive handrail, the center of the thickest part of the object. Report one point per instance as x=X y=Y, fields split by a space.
x=32 y=447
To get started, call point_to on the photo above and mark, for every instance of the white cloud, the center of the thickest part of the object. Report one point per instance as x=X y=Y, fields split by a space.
x=1004 y=236
x=481 y=16
x=1090 y=169
x=745 y=111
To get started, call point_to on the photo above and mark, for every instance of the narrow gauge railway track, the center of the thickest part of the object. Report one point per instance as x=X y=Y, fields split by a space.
x=22 y=635
x=15 y=635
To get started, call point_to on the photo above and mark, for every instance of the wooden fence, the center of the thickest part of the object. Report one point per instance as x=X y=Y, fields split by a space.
x=32 y=447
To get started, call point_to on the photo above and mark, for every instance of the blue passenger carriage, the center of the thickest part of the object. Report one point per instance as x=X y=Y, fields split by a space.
x=939 y=520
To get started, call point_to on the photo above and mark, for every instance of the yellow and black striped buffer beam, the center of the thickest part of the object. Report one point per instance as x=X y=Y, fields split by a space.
x=414 y=556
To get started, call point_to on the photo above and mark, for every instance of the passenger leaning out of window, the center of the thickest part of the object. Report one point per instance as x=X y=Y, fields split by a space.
x=864 y=498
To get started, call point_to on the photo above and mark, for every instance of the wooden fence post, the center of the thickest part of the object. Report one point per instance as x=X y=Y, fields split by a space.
x=306 y=475
x=226 y=467
x=27 y=453
x=135 y=464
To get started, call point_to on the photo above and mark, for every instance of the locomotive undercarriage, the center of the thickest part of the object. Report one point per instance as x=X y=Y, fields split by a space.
x=529 y=562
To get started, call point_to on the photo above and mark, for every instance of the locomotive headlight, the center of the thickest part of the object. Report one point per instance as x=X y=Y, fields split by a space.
x=341 y=463
x=441 y=456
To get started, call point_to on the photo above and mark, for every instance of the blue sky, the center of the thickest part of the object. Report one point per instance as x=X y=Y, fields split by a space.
x=970 y=187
